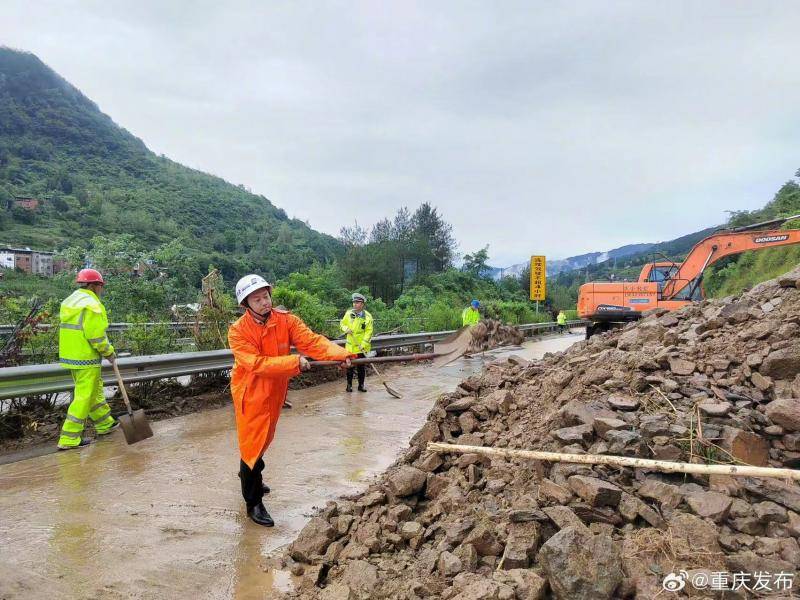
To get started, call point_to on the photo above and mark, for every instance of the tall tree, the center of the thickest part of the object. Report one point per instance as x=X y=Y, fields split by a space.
x=437 y=236
x=476 y=263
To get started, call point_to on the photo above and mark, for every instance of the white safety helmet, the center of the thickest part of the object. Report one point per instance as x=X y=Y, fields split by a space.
x=249 y=284
x=358 y=296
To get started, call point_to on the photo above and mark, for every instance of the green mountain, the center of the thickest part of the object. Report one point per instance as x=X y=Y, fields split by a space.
x=95 y=178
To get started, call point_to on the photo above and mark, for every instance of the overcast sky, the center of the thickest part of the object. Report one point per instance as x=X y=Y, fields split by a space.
x=535 y=127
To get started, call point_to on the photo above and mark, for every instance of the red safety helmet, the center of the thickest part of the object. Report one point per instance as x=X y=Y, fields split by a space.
x=89 y=276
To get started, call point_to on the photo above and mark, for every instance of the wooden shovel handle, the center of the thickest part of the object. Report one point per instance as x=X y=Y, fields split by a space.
x=122 y=389
x=374 y=359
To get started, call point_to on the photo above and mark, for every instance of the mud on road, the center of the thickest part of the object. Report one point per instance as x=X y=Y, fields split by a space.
x=164 y=518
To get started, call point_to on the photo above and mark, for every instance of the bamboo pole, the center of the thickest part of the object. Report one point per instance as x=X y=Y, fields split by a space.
x=620 y=461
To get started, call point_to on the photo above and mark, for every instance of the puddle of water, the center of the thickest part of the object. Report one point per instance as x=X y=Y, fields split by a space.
x=164 y=517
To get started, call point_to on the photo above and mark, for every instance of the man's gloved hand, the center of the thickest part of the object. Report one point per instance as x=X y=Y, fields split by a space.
x=346 y=363
x=348 y=331
x=304 y=366
x=112 y=358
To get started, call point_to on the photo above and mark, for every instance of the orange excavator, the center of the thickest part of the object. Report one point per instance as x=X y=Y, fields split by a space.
x=671 y=285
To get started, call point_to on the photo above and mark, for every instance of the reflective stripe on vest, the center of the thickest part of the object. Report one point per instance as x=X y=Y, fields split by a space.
x=81 y=363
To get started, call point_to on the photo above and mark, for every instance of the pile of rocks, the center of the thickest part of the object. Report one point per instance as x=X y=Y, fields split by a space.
x=715 y=382
x=490 y=333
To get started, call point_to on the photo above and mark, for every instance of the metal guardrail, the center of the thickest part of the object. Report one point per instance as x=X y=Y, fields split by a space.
x=32 y=380
x=116 y=327
x=539 y=327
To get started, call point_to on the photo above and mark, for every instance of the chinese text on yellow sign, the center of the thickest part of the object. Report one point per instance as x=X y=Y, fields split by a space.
x=538 y=278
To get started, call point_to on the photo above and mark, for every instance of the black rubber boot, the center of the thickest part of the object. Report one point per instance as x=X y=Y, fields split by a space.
x=258 y=514
x=264 y=486
x=361 y=388
x=349 y=387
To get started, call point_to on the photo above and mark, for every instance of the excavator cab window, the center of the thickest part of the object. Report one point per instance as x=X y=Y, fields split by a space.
x=662 y=274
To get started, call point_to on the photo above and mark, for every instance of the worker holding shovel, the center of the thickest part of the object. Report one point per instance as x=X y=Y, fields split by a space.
x=357 y=324
x=261 y=340
x=82 y=344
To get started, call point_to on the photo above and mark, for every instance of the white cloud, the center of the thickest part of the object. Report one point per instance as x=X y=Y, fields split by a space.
x=535 y=127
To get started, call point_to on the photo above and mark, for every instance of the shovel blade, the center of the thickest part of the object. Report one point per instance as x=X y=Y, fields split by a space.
x=391 y=390
x=452 y=347
x=135 y=427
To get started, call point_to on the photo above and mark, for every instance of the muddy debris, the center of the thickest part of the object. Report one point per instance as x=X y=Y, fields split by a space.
x=490 y=333
x=716 y=382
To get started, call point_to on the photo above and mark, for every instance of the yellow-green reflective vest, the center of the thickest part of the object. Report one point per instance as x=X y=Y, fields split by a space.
x=82 y=333
x=358 y=341
x=470 y=316
x=561 y=319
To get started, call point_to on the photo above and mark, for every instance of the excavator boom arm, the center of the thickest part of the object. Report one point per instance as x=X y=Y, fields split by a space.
x=720 y=245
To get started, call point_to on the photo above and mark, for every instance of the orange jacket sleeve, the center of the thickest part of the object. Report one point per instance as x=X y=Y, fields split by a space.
x=312 y=344
x=247 y=355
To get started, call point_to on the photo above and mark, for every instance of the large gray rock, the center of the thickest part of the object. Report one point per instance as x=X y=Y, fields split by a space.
x=361 y=577
x=666 y=494
x=471 y=586
x=573 y=435
x=602 y=425
x=786 y=494
x=785 y=413
x=619 y=440
x=782 y=364
x=313 y=540
x=580 y=565
x=595 y=491
x=484 y=539
x=769 y=512
x=553 y=491
x=791 y=279
x=711 y=505
x=563 y=517
x=681 y=366
x=527 y=584
x=428 y=433
x=449 y=564
x=623 y=403
x=410 y=530
x=406 y=480
x=521 y=545
x=696 y=533
x=462 y=404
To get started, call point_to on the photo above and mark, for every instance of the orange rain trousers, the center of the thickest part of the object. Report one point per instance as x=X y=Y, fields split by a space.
x=261 y=371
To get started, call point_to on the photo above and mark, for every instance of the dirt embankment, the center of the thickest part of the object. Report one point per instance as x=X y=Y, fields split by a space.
x=716 y=382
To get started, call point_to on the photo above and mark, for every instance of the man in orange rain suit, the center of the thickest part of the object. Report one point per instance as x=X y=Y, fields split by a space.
x=260 y=341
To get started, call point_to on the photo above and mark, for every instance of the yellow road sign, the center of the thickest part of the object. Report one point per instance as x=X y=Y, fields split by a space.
x=538 y=278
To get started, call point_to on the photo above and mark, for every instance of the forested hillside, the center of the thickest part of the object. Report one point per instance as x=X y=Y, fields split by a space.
x=94 y=178
x=733 y=275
